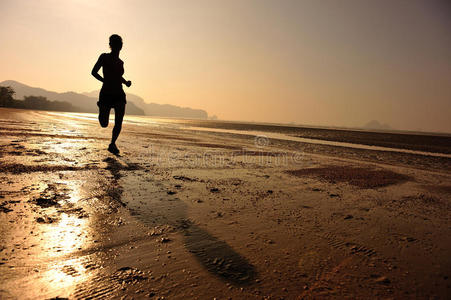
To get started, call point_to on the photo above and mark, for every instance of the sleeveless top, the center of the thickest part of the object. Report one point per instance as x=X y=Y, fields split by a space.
x=113 y=69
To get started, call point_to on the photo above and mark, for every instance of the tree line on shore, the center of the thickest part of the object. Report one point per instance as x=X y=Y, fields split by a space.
x=32 y=102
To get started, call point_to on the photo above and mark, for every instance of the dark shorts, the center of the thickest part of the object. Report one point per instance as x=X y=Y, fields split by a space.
x=111 y=100
x=105 y=109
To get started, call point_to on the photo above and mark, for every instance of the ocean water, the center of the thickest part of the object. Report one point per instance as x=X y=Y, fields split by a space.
x=429 y=144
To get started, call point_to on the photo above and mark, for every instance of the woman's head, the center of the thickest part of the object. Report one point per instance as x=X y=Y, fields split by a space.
x=115 y=42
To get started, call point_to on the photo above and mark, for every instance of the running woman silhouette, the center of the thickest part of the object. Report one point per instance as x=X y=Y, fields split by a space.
x=111 y=95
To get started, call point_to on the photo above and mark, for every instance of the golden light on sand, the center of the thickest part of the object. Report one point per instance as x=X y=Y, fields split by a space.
x=64 y=275
x=66 y=236
x=62 y=239
x=68 y=230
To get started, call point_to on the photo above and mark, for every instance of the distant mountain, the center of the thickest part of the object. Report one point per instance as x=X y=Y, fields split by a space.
x=161 y=110
x=376 y=125
x=81 y=102
x=87 y=102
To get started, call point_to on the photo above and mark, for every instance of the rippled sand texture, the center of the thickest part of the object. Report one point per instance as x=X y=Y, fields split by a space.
x=192 y=214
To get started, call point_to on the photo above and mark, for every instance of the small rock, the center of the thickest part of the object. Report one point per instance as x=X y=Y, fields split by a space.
x=214 y=190
x=408 y=239
x=383 y=280
x=348 y=217
x=171 y=192
x=151 y=294
x=46 y=220
x=184 y=178
x=46 y=202
x=5 y=209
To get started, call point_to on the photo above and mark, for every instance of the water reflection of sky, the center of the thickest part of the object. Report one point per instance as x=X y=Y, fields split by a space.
x=60 y=242
x=66 y=236
x=64 y=276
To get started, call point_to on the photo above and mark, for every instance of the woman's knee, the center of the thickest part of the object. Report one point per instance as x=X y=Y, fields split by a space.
x=104 y=116
x=103 y=122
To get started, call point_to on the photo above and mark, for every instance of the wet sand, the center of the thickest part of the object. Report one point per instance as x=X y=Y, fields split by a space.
x=429 y=142
x=186 y=214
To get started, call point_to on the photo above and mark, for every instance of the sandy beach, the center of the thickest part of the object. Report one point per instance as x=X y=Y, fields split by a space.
x=186 y=213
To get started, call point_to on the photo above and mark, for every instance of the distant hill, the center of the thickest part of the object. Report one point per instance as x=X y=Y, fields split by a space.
x=161 y=110
x=376 y=125
x=87 y=102
x=81 y=102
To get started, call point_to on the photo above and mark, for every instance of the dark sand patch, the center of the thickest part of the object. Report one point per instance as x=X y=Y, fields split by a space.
x=443 y=189
x=3 y=207
x=56 y=136
x=32 y=152
x=423 y=199
x=422 y=205
x=365 y=178
x=47 y=202
x=114 y=164
x=184 y=178
x=21 y=168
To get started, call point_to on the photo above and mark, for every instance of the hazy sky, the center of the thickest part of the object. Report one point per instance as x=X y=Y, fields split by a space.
x=321 y=62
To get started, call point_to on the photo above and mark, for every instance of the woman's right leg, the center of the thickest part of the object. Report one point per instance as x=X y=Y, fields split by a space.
x=104 y=115
x=119 y=111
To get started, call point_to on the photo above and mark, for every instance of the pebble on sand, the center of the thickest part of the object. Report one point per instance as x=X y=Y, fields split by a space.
x=382 y=280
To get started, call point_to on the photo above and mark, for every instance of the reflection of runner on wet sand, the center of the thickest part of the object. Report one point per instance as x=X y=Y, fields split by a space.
x=111 y=95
